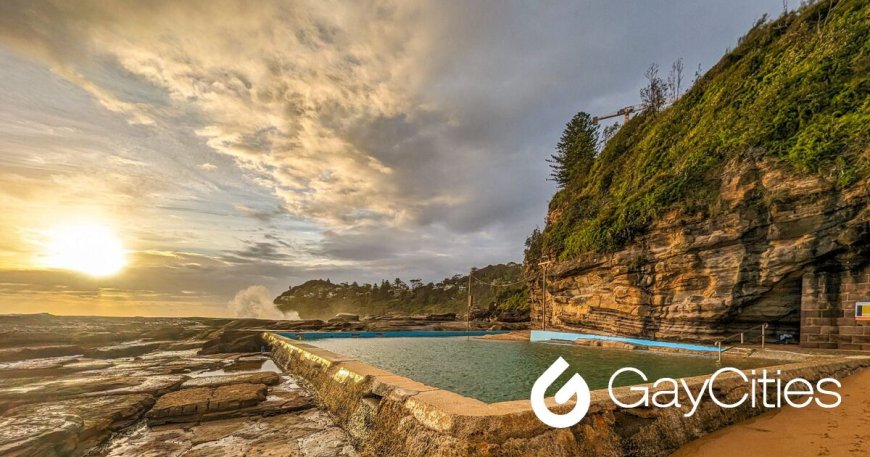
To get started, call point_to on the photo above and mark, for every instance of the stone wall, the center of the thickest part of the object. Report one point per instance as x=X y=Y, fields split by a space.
x=709 y=276
x=389 y=415
x=828 y=309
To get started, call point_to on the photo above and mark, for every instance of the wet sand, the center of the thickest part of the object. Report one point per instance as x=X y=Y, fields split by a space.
x=812 y=431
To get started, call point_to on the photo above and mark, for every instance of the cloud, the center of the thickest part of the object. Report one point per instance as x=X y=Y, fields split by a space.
x=259 y=214
x=328 y=111
x=270 y=143
x=258 y=251
x=384 y=113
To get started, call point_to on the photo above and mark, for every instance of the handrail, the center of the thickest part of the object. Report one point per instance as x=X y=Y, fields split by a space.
x=742 y=333
x=719 y=351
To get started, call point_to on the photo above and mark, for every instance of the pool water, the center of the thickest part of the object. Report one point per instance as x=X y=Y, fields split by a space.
x=492 y=371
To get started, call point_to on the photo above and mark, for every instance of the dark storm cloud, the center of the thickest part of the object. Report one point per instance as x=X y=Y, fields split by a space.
x=262 y=215
x=256 y=251
x=366 y=246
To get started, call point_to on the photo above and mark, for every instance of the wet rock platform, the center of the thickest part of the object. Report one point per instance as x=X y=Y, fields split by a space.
x=107 y=386
x=100 y=387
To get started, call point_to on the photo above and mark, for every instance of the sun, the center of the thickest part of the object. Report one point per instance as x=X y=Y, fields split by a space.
x=89 y=248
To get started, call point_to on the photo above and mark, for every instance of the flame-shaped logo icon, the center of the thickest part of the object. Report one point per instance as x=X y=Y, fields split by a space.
x=575 y=386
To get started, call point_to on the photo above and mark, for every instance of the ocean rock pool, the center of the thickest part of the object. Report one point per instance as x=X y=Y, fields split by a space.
x=493 y=370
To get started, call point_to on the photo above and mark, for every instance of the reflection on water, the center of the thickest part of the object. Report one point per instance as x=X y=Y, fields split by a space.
x=494 y=371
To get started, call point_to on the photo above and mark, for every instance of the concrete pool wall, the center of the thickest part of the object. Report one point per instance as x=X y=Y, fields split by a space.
x=626 y=342
x=386 y=414
x=309 y=336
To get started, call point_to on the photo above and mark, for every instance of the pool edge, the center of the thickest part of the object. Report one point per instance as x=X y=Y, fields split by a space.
x=647 y=344
x=388 y=414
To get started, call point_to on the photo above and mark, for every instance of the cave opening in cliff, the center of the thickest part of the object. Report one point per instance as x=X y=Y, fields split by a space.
x=779 y=307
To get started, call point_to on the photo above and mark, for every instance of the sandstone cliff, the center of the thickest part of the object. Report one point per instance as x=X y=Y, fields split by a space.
x=744 y=202
x=780 y=241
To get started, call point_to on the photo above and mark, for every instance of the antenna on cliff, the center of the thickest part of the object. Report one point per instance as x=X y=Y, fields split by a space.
x=626 y=112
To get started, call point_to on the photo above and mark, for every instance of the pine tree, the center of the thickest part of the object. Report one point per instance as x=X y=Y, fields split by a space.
x=575 y=152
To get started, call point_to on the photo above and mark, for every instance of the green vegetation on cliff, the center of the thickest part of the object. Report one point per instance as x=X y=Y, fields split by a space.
x=497 y=288
x=795 y=90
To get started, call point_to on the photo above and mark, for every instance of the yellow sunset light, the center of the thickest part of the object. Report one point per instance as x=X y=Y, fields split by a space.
x=88 y=248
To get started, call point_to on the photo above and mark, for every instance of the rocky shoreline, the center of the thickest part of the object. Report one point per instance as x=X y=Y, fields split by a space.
x=100 y=386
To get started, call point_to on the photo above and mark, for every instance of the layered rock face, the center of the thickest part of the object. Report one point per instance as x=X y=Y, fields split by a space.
x=73 y=386
x=780 y=248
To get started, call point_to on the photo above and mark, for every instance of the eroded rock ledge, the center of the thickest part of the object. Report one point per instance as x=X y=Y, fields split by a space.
x=119 y=387
x=72 y=386
x=790 y=251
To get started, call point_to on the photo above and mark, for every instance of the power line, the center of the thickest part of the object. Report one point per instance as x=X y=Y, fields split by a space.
x=493 y=284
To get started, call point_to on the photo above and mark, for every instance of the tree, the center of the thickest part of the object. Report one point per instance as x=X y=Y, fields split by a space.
x=607 y=134
x=576 y=150
x=675 y=80
x=384 y=291
x=653 y=95
x=534 y=247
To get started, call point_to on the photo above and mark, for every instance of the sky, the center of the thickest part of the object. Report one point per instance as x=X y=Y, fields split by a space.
x=235 y=148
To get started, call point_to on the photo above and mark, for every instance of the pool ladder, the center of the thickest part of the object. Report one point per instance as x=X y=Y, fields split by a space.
x=742 y=334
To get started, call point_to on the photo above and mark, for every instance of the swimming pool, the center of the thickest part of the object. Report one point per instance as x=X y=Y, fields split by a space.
x=494 y=371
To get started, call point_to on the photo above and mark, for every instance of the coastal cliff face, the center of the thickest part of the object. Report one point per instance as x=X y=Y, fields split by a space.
x=784 y=249
x=744 y=202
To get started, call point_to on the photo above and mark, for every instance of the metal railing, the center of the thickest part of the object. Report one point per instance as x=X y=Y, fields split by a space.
x=742 y=336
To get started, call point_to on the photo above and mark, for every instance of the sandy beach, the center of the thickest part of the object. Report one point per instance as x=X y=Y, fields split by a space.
x=812 y=431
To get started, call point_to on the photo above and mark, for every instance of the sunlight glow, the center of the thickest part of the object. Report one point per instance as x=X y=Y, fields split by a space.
x=88 y=248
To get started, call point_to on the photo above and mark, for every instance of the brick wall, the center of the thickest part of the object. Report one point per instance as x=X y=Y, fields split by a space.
x=828 y=309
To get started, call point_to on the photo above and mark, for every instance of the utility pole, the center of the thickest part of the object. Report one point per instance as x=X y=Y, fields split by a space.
x=470 y=303
x=543 y=264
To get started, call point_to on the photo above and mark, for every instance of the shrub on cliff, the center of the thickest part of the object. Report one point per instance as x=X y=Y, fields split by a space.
x=796 y=88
